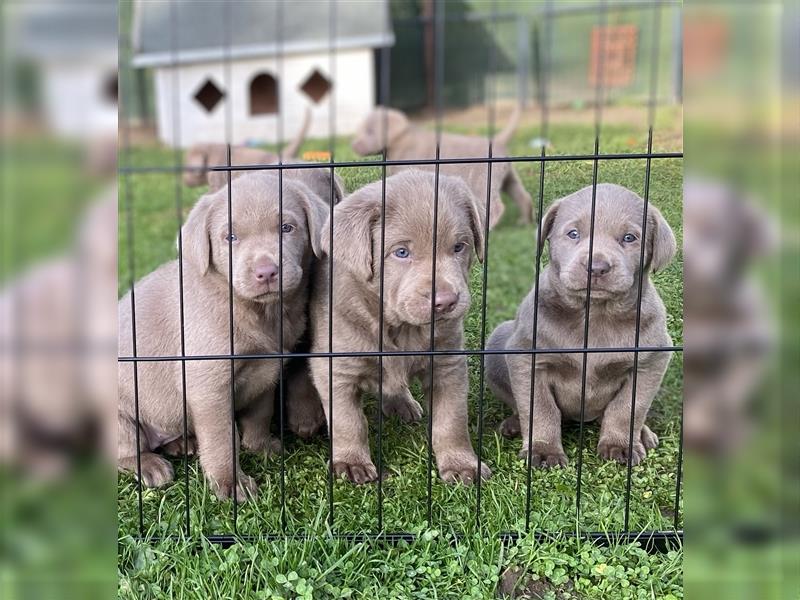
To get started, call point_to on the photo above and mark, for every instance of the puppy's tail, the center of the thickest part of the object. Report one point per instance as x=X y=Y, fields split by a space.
x=496 y=367
x=293 y=146
x=505 y=135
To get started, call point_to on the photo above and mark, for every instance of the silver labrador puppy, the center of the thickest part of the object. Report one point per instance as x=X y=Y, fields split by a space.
x=254 y=240
x=614 y=268
x=408 y=262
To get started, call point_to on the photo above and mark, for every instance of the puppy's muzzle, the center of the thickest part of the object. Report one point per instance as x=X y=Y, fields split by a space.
x=265 y=271
x=599 y=267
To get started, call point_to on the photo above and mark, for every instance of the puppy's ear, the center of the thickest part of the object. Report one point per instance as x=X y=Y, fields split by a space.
x=316 y=211
x=661 y=240
x=548 y=220
x=477 y=215
x=339 y=191
x=396 y=123
x=197 y=235
x=353 y=219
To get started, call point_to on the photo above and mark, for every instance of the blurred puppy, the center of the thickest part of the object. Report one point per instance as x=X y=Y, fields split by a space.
x=253 y=239
x=200 y=157
x=318 y=180
x=614 y=271
x=729 y=333
x=409 y=304
x=389 y=128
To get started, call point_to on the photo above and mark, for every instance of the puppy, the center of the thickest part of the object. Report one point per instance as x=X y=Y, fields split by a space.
x=614 y=269
x=318 y=180
x=254 y=241
x=408 y=260
x=390 y=128
x=202 y=156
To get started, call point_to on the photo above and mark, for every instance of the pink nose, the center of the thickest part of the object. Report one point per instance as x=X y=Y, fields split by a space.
x=445 y=302
x=266 y=272
x=600 y=267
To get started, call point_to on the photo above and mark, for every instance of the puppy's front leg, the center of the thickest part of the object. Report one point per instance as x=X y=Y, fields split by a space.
x=211 y=416
x=255 y=423
x=616 y=422
x=546 y=450
x=451 y=444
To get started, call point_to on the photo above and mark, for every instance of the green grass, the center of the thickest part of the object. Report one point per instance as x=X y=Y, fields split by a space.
x=469 y=568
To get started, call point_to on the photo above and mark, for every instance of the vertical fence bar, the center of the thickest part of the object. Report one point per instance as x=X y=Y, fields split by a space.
x=331 y=143
x=543 y=66
x=229 y=141
x=178 y=155
x=635 y=376
x=384 y=100
x=585 y=359
x=281 y=399
x=491 y=110
x=678 y=479
x=438 y=41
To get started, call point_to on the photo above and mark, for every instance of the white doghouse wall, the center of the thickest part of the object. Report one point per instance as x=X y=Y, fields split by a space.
x=353 y=90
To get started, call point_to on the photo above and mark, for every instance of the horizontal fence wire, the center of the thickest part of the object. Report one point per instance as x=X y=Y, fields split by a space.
x=410 y=162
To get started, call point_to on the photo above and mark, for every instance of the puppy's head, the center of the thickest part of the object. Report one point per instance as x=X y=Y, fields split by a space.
x=252 y=242
x=196 y=162
x=614 y=264
x=408 y=244
x=379 y=130
x=723 y=234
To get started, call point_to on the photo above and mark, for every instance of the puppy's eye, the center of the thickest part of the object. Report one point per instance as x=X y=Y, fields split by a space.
x=402 y=253
x=573 y=234
x=231 y=237
x=459 y=247
x=287 y=228
x=628 y=238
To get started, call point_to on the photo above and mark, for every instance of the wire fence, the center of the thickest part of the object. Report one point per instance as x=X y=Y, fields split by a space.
x=661 y=538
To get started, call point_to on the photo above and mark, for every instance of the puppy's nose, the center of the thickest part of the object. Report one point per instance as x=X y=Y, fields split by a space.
x=266 y=272
x=600 y=267
x=445 y=302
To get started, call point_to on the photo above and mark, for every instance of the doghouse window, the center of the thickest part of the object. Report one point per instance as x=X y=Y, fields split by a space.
x=110 y=89
x=263 y=95
x=316 y=86
x=209 y=95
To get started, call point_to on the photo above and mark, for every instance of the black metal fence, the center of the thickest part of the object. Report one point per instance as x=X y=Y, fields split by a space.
x=660 y=538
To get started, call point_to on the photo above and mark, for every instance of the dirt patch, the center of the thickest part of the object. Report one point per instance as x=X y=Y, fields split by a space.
x=515 y=583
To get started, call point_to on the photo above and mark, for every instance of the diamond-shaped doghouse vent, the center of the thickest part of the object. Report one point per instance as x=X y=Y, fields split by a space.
x=209 y=95
x=316 y=86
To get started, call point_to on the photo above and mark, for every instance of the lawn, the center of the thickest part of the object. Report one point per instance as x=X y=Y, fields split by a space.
x=561 y=567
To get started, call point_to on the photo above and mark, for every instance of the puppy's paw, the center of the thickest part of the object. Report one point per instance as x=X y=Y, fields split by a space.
x=175 y=447
x=462 y=469
x=509 y=427
x=272 y=447
x=156 y=470
x=545 y=455
x=649 y=439
x=618 y=451
x=404 y=408
x=246 y=487
x=305 y=424
x=358 y=473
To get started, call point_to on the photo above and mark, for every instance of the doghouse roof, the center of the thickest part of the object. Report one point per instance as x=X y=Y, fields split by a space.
x=167 y=32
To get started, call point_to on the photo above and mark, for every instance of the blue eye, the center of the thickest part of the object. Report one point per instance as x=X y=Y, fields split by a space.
x=459 y=247
x=628 y=238
x=402 y=253
x=287 y=228
x=231 y=237
x=573 y=234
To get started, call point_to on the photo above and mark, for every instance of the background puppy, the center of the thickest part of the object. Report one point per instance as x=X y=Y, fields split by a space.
x=614 y=270
x=254 y=240
x=202 y=156
x=318 y=180
x=408 y=305
x=390 y=128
